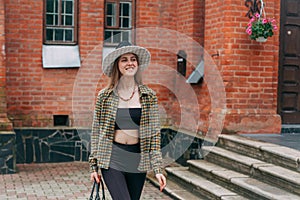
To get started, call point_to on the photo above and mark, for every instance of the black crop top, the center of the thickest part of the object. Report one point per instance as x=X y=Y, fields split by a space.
x=128 y=118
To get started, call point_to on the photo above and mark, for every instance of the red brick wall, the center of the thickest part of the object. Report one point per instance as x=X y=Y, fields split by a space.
x=244 y=69
x=167 y=27
x=190 y=21
x=89 y=78
x=249 y=69
x=5 y=124
x=2 y=60
x=35 y=94
x=155 y=30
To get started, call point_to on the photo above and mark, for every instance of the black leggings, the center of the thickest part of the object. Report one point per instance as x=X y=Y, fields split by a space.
x=123 y=180
x=123 y=185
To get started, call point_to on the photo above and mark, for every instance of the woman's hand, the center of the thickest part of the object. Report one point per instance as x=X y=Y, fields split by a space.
x=162 y=181
x=95 y=176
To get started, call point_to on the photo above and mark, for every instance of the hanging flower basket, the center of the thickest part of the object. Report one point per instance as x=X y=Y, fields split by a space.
x=259 y=27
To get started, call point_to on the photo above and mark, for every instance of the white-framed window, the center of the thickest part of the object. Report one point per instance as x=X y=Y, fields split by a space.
x=60 y=21
x=119 y=21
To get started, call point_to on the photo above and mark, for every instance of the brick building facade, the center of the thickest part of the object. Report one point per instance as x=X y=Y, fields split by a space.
x=239 y=89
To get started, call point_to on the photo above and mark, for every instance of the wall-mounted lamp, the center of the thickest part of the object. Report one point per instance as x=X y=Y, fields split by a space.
x=181 y=62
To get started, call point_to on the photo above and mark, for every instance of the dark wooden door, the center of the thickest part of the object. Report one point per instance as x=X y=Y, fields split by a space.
x=289 y=63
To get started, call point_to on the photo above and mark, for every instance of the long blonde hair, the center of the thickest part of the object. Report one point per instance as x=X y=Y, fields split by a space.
x=116 y=74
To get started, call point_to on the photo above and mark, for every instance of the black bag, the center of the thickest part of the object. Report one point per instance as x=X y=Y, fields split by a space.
x=97 y=185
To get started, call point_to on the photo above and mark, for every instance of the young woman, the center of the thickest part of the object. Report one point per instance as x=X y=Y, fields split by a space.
x=125 y=141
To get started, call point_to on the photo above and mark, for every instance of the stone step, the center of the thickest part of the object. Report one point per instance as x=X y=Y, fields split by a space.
x=174 y=190
x=239 y=183
x=271 y=153
x=275 y=175
x=200 y=186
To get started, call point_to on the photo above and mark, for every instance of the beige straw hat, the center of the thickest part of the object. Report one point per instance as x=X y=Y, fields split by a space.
x=124 y=47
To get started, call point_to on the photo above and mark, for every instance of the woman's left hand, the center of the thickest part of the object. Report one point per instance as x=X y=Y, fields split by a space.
x=162 y=181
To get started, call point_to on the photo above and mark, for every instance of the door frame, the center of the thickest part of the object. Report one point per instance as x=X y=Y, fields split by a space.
x=283 y=20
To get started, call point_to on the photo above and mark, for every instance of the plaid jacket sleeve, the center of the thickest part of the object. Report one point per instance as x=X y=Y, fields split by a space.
x=95 y=131
x=155 y=150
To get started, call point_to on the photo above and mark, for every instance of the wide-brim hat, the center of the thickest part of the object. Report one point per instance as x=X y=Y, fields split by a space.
x=124 y=47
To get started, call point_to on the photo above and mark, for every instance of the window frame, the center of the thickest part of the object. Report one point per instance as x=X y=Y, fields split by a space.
x=117 y=26
x=75 y=26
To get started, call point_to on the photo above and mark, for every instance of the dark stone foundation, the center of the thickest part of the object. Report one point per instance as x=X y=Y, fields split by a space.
x=52 y=145
x=7 y=152
x=180 y=146
x=70 y=144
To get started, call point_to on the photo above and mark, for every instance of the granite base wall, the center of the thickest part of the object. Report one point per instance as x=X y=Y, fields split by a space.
x=67 y=145
x=180 y=146
x=7 y=153
x=52 y=145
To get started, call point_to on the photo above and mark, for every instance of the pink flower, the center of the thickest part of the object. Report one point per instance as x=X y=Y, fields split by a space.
x=249 y=31
x=275 y=27
x=249 y=25
x=252 y=19
x=264 y=21
x=257 y=15
x=273 y=21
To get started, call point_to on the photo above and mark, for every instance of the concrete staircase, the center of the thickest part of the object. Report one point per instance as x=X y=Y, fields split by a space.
x=238 y=168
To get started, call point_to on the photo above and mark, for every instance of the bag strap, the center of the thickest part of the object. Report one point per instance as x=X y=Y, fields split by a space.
x=92 y=192
x=102 y=187
x=97 y=185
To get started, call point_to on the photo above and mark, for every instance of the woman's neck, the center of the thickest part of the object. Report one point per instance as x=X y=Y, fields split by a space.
x=126 y=83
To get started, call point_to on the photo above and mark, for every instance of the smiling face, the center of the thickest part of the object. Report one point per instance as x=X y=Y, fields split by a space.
x=128 y=64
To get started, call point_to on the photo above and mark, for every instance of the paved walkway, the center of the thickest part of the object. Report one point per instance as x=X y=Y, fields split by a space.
x=291 y=140
x=57 y=181
x=71 y=180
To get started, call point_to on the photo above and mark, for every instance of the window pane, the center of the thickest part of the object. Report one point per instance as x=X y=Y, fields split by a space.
x=111 y=14
x=49 y=19
x=109 y=21
x=110 y=8
x=69 y=20
x=49 y=34
x=107 y=36
x=125 y=9
x=69 y=7
x=69 y=35
x=125 y=23
x=125 y=36
x=117 y=37
x=56 y=6
x=63 y=7
x=58 y=34
x=55 y=19
x=50 y=6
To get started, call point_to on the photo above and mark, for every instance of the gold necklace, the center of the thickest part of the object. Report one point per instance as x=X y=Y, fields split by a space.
x=129 y=97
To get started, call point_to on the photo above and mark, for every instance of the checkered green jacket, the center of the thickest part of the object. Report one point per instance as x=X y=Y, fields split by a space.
x=104 y=127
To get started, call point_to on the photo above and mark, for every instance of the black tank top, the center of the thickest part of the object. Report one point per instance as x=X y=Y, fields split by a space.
x=128 y=118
